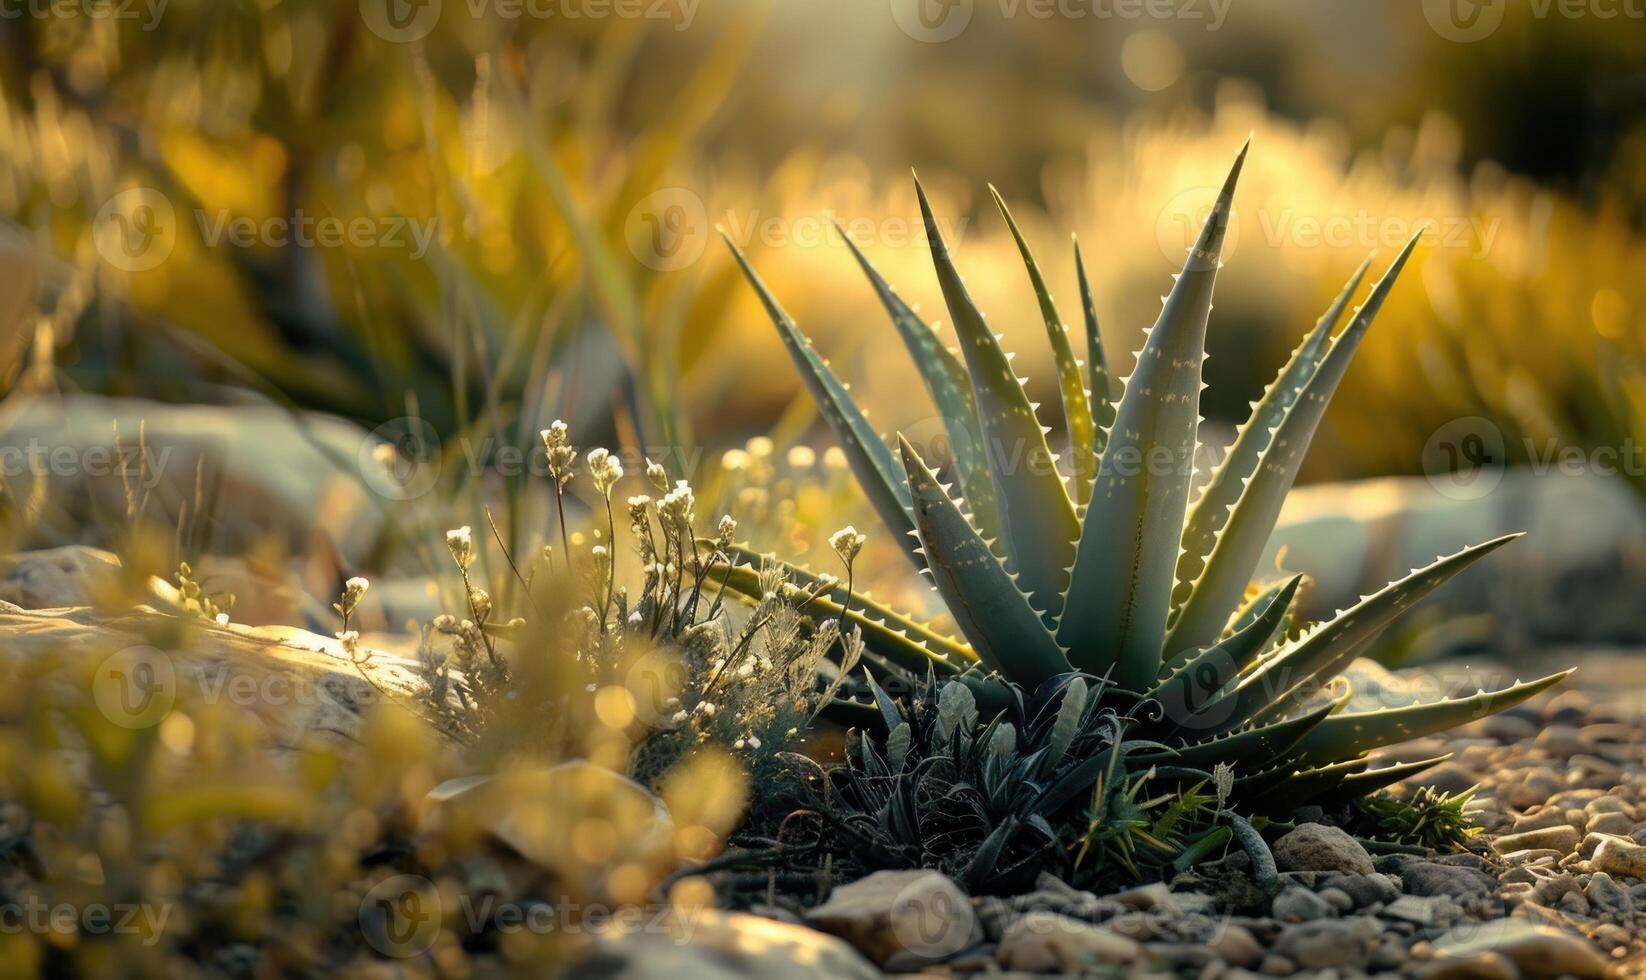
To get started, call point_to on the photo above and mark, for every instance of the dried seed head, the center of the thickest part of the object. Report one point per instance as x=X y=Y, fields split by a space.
x=605 y=469
x=847 y=542
x=460 y=542
x=557 y=443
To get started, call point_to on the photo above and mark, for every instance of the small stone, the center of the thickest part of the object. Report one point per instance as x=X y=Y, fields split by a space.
x=1043 y=942
x=1563 y=741
x=1275 y=965
x=1573 y=903
x=1145 y=897
x=1516 y=859
x=1429 y=878
x=1612 y=936
x=1421 y=910
x=1300 y=905
x=1606 y=894
x=1317 y=847
x=1534 y=788
x=1606 y=804
x=1619 y=856
x=1534 y=949
x=1338 y=899
x=1367 y=889
x=895 y=912
x=1329 y=943
x=1481 y=966
x=1618 y=824
x=1507 y=728
x=1542 y=818
x=1563 y=838
x=1236 y=946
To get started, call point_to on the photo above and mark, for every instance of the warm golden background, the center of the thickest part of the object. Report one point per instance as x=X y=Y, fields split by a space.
x=569 y=172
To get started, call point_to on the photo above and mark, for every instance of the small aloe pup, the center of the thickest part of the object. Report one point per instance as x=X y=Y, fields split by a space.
x=1114 y=571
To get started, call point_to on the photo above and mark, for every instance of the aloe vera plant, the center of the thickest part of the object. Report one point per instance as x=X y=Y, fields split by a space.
x=1113 y=570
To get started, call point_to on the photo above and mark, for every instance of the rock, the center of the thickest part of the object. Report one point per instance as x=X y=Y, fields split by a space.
x=1535 y=950
x=1481 y=966
x=1338 y=899
x=1563 y=741
x=1615 y=823
x=1563 y=838
x=1329 y=943
x=1420 y=910
x=1296 y=904
x=893 y=912
x=1533 y=789
x=297 y=479
x=709 y=943
x=1605 y=894
x=1274 y=965
x=1044 y=942
x=510 y=807
x=1620 y=856
x=1430 y=878
x=1507 y=728
x=57 y=577
x=1540 y=819
x=1235 y=945
x=1145 y=897
x=1367 y=889
x=1317 y=847
x=301 y=687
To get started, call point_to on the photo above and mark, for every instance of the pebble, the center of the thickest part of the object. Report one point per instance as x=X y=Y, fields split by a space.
x=1236 y=946
x=1044 y=942
x=1329 y=943
x=1562 y=837
x=1535 y=950
x=1317 y=847
x=1481 y=966
x=1619 y=856
x=893 y=912
x=1296 y=904
x=1606 y=894
x=1611 y=822
x=1275 y=965
x=1430 y=878
x=1562 y=740
x=1367 y=889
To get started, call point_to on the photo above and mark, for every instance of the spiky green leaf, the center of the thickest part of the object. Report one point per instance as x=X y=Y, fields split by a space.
x=870 y=458
x=1077 y=411
x=1223 y=490
x=1121 y=589
x=1348 y=735
x=1097 y=363
x=984 y=599
x=1240 y=542
x=950 y=390
x=1037 y=518
x=1286 y=679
